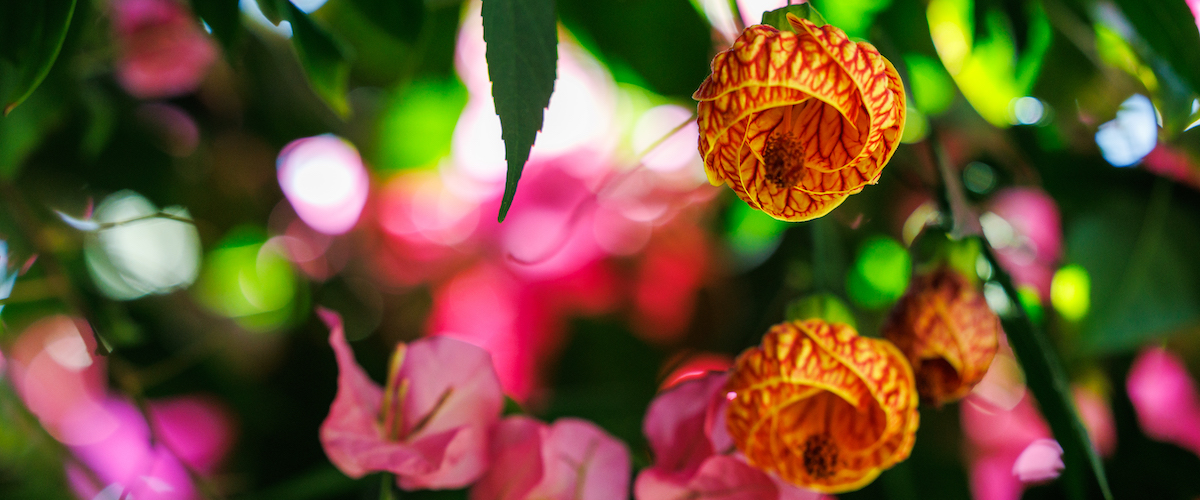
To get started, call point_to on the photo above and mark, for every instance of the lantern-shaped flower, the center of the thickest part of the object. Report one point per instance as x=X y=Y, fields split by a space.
x=822 y=407
x=796 y=122
x=947 y=331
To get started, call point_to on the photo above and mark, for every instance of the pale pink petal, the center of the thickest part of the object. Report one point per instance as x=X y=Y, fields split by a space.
x=1165 y=397
x=720 y=477
x=1098 y=418
x=350 y=430
x=437 y=366
x=462 y=460
x=675 y=424
x=583 y=463
x=1040 y=461
x=992 y=478
x=517 y=464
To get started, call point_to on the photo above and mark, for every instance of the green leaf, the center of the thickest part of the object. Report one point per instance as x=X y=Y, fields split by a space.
x=1170 y=29
x=522 y=57
x=274 y=10
x=224 y=17
x=662 y=45
x=325 y=59
x=399 y=18
x=1047 y=380
x=31 y=36
x=778 y=17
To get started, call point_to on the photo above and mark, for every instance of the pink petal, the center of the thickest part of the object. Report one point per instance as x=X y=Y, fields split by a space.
x=350 y=430
x=198 y=430
x=517 y=466
x=435 y=366
x=675 y=424
x=1041 y=461
x=1098 y=418
x=1165 y=398
x=583 y=463
x=992 y=478
x=720 y=477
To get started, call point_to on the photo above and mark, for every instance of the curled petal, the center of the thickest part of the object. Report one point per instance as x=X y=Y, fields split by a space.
x=675 y=424
x=720 y=477
x=948 y=332
x=1040 y=461
x=822 y=407
x=796 y=122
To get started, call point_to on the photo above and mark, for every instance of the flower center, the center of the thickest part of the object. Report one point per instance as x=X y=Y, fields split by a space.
x=783 y=159
x=391 y=417
x=820 y=456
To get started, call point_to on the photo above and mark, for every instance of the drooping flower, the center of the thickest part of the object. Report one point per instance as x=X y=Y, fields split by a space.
x=429 y=425
x=822 y=407
x=569 y=460
x=163 y=50
x=948 y=332
x=693 y=454
x=796 y=122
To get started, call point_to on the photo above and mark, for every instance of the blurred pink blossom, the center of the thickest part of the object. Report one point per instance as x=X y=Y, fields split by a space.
x=693 y=454
x=324 y=179
x=569 y=460
x=1171 y=162
x=429 y=425
x=1165 y=397
x=163 y=50
x=1040 y=461
x=1031 y=245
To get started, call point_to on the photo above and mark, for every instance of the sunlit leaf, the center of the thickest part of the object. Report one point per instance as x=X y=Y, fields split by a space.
x=1170 y=29
x=778 y=17
x=522 y=56
x=325 y=59
x=31 y=36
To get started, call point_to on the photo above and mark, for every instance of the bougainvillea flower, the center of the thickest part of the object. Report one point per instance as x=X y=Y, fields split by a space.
x=822 y=407
x=569 y=460
x=1031 y=246
x=950 y=335
x=429 y=425
x=694 y=456
x=1166 y=398
x=796 y=122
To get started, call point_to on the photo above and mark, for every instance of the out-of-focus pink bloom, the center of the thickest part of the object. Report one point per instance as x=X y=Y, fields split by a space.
x=1007 y=448
x=197 y=430
x=60 y=379
x=569 y=460
x=697 y=366
x=669 y=277
x=125 y=461
x=1165 y=397
x=163 y=50
x=1170 y=162
x=175 y=129
x=429 y=425
x=324 y=179
x=1031 y=244
x=1040 y=461
x=425 y=230
x=693 y=454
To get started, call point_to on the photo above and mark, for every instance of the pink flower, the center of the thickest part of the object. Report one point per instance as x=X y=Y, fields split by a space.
x=1032 y=245
x=429 y=425
x=1165 y=398
x=569 y=460
x=164 y=53
x=693 y=454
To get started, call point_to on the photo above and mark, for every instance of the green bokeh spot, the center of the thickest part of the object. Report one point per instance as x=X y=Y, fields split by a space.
x=880 y=273
x=416 y=127
x=248 y=283
x=932 y=88
x=752 y=232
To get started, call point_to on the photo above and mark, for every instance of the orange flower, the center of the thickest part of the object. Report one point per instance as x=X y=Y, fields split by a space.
x=822 y=407
x=796 y=122
x=948 y=332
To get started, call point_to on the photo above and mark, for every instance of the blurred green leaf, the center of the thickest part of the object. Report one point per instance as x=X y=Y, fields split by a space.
x=1046 y=379
x=399 y=18
x=826 y=306
x=1170 y=29
x=23 y=131
x=778 y=17
x=325 y=59
x=522 y=57
x=664 y=45
x=224 y=17
x=31 y=35
x=274 y=10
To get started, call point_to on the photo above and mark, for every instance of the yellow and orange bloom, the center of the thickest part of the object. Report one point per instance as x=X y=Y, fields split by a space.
x=950 y=335
x=797 y=122
x=822 y=407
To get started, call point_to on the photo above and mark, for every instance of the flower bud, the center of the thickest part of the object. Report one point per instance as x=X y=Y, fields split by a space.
x=822 y=407
x=945 y=328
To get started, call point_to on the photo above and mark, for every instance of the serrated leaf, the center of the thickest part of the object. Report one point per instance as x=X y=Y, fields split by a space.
x=778 y=17
x=224 y=17
x=1170 y=29
x=522 y=57
x=401 y=19
x=31 y=36
x=1047 y=380
x=325 y=59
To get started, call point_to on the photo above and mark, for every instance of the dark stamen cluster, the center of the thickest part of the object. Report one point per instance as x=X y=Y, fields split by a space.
x=820 y=456
x=783 y=160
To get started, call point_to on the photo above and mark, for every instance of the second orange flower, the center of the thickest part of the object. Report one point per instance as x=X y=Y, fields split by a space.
x=797 y=122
